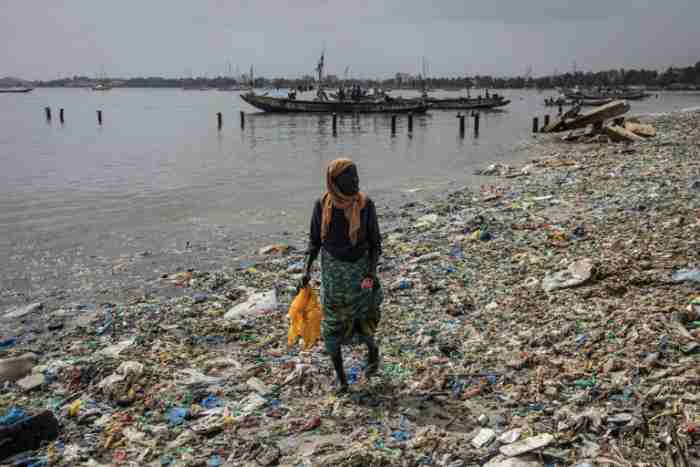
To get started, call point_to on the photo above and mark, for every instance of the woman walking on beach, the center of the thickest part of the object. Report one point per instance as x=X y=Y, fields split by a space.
x=344 y=229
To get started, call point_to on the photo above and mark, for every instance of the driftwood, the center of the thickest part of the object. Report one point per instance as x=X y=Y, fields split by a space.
x=594 y=117
x=641 y=129
x=620 y=134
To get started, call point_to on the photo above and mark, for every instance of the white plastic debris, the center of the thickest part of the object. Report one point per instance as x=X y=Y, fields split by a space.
x=20 y=311
x=524 y=461
x=510 y=436
x=577 y=273
x=484 y=437
x=526 y=445
x=256 y=305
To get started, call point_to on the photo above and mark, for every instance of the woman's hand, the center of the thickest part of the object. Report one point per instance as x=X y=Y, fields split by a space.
x=367 y=283
x=303 y=282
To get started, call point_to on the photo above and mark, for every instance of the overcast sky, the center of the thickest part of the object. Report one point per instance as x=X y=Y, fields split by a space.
x=44 y=39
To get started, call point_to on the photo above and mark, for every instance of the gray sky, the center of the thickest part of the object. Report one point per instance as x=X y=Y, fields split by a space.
x=43 y=39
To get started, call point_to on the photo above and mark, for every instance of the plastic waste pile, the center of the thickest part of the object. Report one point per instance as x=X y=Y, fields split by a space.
x=549 y=319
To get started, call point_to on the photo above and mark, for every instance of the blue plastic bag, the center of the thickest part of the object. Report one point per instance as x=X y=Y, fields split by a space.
x=14 y=415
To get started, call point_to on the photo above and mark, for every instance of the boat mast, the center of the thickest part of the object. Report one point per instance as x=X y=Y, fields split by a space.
x=319 y=67
x=345 y=76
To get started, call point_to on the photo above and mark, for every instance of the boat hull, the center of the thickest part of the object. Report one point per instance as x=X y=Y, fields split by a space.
x=594 y=102
x=466 y=104
x=629 y=96
x=21 y=90
x=282 y=105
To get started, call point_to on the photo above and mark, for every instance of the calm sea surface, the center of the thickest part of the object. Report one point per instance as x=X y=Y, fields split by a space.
x=79 y=202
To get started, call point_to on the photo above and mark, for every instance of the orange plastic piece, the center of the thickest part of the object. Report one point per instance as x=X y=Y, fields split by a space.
x=304 y=319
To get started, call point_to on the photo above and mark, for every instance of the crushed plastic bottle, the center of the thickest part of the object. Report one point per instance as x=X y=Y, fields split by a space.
x=683 y=275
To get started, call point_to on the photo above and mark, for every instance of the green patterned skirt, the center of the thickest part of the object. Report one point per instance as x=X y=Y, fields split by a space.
x=350 y=313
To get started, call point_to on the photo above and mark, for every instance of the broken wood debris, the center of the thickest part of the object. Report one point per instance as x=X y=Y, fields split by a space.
x=601 y=124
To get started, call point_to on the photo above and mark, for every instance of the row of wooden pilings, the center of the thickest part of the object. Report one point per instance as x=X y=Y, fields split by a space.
x=61 y=115
x=536 y=121
x=460 y=116
x=220 y=121
x=536 y=124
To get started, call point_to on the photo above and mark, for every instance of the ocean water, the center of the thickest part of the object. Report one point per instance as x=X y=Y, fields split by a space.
x=157 y=180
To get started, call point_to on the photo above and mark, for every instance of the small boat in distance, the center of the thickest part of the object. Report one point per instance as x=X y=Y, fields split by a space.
x=15 y=89
x=235 y=87
x=103 y=84
x=102 y=87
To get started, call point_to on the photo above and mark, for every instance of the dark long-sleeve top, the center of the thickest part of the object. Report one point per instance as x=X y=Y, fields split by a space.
x=337 y=242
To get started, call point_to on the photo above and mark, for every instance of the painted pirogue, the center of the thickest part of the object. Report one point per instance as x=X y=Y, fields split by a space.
x=465 y=103
x=629 y=95
x=278 y=104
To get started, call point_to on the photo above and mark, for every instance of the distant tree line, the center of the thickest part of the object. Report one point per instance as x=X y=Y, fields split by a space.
x=674 y=78
x=141 y=82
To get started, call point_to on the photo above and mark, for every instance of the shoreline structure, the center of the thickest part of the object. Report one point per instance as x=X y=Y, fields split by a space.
x=556 y=311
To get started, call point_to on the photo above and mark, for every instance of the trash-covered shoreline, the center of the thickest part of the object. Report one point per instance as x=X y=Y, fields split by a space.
x=550 y=319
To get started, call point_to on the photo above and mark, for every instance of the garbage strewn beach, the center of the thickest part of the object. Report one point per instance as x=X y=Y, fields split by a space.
x=551 y=318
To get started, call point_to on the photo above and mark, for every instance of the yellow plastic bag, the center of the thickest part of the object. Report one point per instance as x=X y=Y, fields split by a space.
x=74 y=408
x=304 y=319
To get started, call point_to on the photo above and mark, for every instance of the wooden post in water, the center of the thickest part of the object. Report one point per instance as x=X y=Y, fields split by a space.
x=47 y=110
x=561 y=109
x=535 y=124
x=393 y=124
x=461 y=124
x=60 y=116
x=242 y=120
x=476 y=123
x=410 y=122
x=99 y=117
x=335 y=123
x=219 y=120
x=546 y=120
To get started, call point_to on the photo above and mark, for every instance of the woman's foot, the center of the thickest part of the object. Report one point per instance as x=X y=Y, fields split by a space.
x=341 y=378
x=372 y=362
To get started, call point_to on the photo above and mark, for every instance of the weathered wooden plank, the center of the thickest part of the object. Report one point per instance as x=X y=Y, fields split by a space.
x=619 y=134
x=641 y=129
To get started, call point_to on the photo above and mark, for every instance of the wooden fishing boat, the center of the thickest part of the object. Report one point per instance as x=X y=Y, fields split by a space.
x=286 y=105
x=7 y=90
x=552 y=102
x=594 y=102
x=465 y=103
x=603 y=95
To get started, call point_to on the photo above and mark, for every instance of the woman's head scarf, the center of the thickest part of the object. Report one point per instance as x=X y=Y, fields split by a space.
x=351 y=204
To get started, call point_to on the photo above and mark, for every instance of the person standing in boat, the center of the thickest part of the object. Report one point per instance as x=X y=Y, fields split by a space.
x=345 y=232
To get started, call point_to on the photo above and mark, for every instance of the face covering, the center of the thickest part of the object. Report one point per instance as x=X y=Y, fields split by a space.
x=348 y=182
